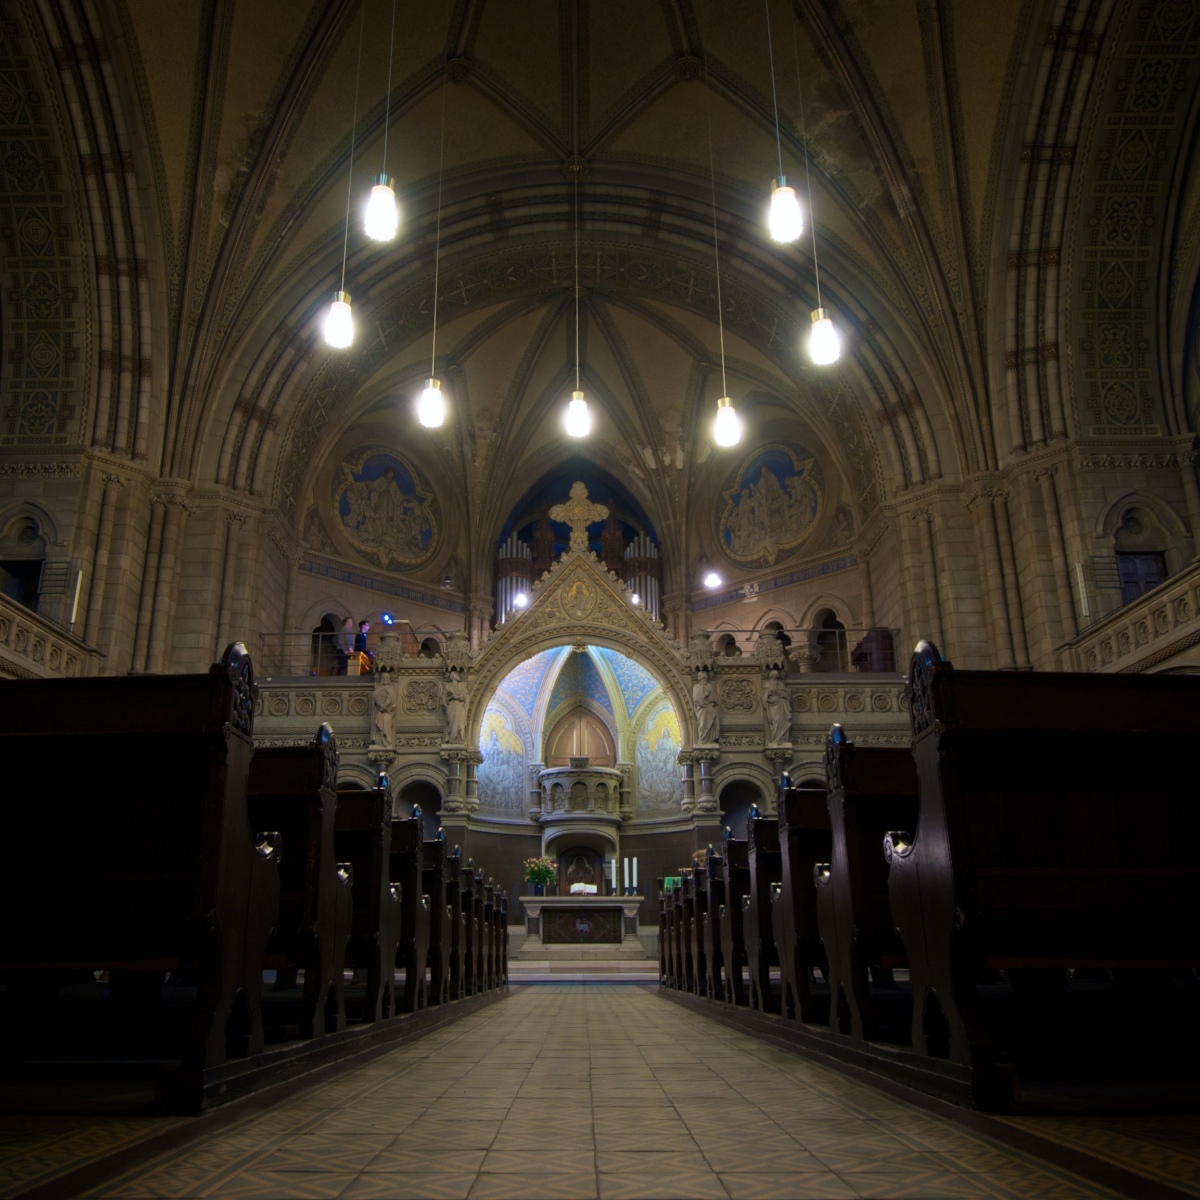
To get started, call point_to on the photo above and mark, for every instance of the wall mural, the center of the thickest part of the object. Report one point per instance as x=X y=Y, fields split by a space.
x=635 y=682
x=524 y=682
x=385 y=511
x=501 y=775
x=773 y=503
x=660 y=786
x=578 y=680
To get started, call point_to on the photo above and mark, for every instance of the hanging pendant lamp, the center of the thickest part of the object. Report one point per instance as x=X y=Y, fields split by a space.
x=381 y=219
x=727 y=429
x=577 y=421
x=824 y=342
x=785 y=221
x=431 y=407
x=338 y=328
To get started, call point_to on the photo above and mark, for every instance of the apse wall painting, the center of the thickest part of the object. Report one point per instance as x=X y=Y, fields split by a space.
x=632 y=678
x=385 y=511
x=524 y=681
x=578 y=680
x=660 y=787
x=773 y=503
x=501 y=775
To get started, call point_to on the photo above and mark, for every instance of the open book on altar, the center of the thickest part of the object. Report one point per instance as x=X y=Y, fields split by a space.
x=583 y=889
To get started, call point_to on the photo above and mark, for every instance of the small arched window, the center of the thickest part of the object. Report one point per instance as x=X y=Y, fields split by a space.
x=1140 y=545
x=22 y=556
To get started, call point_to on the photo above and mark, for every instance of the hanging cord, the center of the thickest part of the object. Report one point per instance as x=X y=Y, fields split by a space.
x=437 y=244
x=387 y=106
x=353 y=131
x=774 y=98
x=712 y=176
x=807 y=169
x=577 y=277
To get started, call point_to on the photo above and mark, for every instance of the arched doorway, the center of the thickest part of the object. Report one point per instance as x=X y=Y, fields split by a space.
x=423 y=793
x=736 y=800
x=322 y=660
x=580 y=734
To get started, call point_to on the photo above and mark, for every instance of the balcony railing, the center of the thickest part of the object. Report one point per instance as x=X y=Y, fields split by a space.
x=286 y=655
x=32 y=647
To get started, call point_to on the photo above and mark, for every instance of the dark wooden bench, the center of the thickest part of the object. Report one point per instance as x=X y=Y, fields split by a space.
x=158 y=869
x=664 y=935
x=363 y=837
x=293 y=790
x=489 y=929
x=412 y=952
x=766 y=869
x=1057 y=828
x=458 y=923
x=804 y=841
x=685 y=909
x=712 y=886
x=472 y=880
x=872 y=789
x=435 y=877
x=501 y=938
x=735 y=876
x=696 y=899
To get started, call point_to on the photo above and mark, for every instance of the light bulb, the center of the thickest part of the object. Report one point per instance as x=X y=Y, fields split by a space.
x=339 y=322
x=578 y=420
x=727 y=429
x=785 y=219
x=382 y=217
x=520 y=599
x=712 y=579
x=431 y=407
x=824 y=345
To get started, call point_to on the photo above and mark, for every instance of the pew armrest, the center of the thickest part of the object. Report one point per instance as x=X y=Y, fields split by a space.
x=345 y=873
x=822 y=873
x=776 y=892
x=897 y=844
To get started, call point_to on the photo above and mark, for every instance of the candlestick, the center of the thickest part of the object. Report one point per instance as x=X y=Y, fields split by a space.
x=625 y=868
x=635 y=874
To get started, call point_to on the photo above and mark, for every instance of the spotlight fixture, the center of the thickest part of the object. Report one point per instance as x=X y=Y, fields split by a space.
x=727 y=429
x=635 y=599
x=712 y=579
x=578 y=421
x=431 y=407
x=339 y=322
x=520 y=599
x=388 y=619
x=382 y=218
x=824 y=345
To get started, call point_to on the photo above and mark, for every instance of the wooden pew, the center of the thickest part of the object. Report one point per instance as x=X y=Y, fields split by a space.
x=489 y=940
x=293 y=789
x=685 y=911
x=363 y=837
x=1057 y=828
x=435 y=877
x=735 y=877
x=871 y=790
x=696 y=898
x=458 y=929
x=712 y=884
x=502 y=939
x=469 y=881
x=664 y=973
x=804 y=841
x=158 y=871
x=412 y=953
x=766 y=869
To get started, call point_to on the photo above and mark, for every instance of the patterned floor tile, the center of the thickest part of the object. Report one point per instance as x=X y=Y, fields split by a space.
x=282 y=1185
x=406 y=1186
x=570 y=1186
x=425 y=1160
x=656 y=1164
x=751 y=1157
x=546 y=1160
x=808 y=1185
x=643 y=1185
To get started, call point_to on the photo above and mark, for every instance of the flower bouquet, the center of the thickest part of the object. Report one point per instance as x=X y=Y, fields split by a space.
x=539 y=872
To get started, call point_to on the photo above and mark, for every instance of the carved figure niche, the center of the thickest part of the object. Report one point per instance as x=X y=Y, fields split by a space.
x=580 y=734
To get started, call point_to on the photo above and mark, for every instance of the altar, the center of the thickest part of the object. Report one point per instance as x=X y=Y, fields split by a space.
x=593 y=927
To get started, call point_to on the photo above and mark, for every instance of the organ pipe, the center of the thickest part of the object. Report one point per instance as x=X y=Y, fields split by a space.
x=514 y=576
x=642 y=573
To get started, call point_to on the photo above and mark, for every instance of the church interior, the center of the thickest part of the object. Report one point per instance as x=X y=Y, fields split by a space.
x=607 y=595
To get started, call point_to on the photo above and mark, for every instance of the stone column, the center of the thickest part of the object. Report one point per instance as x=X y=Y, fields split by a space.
x=141 y=637
x=677 y=609
x=686 y=758
x=625 y=800
x=707 y=802
x=1012 y=583
x=454 y=802
x=234 y=523
x=479 y=612
x=1191 y=495
x=933 y=602
x=535 y=790
x=473 y=759
x=1058 y=551
x=112 y=483
x=168 y=571
x=992 y=577
x=291 y=659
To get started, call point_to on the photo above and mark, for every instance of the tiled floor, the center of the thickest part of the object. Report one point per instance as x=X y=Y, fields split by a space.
x=577 y=1091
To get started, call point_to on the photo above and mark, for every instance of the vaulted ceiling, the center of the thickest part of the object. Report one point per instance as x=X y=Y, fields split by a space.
x=944 y=136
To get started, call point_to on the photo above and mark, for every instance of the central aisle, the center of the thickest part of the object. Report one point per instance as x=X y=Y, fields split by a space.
x=590 y=1091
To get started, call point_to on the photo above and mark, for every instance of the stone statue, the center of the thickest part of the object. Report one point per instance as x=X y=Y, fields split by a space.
x=777 y=704
x=383 y=714
x=455 y=697
x=708 y=711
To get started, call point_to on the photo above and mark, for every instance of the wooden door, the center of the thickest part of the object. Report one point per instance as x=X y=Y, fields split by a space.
x=580 y=734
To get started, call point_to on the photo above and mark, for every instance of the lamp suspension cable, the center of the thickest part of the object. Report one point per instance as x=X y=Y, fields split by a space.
x=727 y=429
x=784 y=219
x=382 y=217
x=431 y=408
x=824 y=344
x=339 y=321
